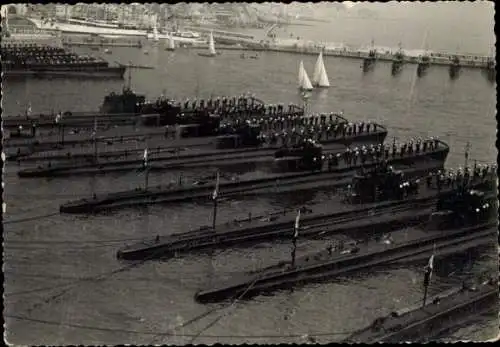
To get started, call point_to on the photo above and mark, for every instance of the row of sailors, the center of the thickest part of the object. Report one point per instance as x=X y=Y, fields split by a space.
x=31 y=46
x=56 y=62
x=461 y=177
x=375 y=153
x=292 y=119
x=220 y=102
x=296 y=135
x=25 y=55
x=316 y=126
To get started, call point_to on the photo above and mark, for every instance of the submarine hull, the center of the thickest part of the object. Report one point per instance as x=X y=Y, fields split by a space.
x=324 y=266
x=421 y=163
x=421 y=324
x=387 y=215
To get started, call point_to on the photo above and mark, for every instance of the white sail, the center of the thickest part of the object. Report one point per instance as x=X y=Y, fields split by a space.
x=304 y=82
x=211 y=45
x=317 y=69
x=320 y=77
x=171 y=43
x=155 y=33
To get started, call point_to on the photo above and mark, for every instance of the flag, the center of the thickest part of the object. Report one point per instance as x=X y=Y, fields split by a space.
x=297 y=220
x=94 y=132
x=428 y=271
x=216 y=190
x=145 y=157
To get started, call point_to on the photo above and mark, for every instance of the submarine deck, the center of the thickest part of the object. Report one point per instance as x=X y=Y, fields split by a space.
x=195 y=155
x=412 y=323
x=271 y=184
x=322 y=265
x=414 y=164
x=325 y=219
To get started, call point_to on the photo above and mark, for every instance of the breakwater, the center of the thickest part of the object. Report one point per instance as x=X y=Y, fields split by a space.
x=437 y=58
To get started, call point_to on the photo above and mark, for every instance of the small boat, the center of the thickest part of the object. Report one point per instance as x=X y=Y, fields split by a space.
x=170 y=44
x=320 y=77
x=146 y=51
x=211 y=48
x=155 y=33
x=107 y=51
x=304 y=82
x=254 y=57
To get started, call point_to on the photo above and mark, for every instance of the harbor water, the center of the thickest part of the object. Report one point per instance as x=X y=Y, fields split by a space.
x=64 y=285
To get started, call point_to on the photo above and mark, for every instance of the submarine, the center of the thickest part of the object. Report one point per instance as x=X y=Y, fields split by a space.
x=390 y=200
x=466 y=219
x=424 y=322
x=130 y=108
x=336 y=173
x=249 y=145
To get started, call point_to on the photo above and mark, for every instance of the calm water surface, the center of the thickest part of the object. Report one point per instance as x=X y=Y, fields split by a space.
x=62 y=268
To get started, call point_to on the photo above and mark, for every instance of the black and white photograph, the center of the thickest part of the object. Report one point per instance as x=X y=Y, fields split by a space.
x=193 y=173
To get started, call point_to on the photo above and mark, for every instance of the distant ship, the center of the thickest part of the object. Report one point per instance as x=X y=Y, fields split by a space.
x=44 y=61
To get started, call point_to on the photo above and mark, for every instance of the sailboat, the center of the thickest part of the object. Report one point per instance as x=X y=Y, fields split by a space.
x=170 y=44
x=320 y=77
x=304 y=82
x=211 y=48
x=155 y=33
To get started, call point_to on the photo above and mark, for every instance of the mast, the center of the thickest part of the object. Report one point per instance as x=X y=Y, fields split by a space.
x=146 y=168
x=295 y=236
x=130 y=75
x=428 y=274
x=215 y=196
x=155 y=31
x=466 y=155
x=211 y=45
x=94 y=136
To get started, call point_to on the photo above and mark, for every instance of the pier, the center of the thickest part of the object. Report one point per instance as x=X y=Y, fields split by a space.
x=311 y=48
